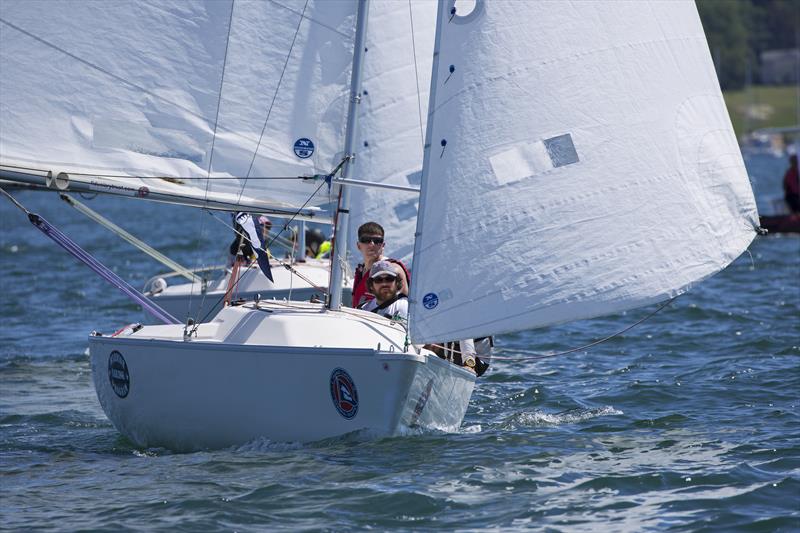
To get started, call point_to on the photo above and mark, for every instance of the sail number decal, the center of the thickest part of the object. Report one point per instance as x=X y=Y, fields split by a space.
x=118 y=374
x=303 y=148
x=343 y=393
x=430 y=300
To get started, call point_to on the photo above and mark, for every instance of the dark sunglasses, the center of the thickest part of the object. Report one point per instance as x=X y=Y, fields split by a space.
x=368 y=240
x=383 y=279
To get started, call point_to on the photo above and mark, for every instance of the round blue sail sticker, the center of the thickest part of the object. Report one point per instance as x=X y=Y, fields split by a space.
x=303 y=148
x=118 y=374
x=343 y=393
x=430 y=300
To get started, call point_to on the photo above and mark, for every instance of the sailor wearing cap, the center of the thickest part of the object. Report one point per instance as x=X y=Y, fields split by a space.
x=385 y=283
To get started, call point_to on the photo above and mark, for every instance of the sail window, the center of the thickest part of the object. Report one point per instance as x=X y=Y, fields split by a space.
x=406 y=210
x=525 y=160
x=561 y=150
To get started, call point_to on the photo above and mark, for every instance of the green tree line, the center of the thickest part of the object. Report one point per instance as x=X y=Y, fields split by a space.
x=739 y=30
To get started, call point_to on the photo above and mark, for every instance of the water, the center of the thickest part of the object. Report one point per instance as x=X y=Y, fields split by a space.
x=688 y=422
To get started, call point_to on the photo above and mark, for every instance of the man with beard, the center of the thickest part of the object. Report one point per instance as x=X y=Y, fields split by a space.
x=384 y=282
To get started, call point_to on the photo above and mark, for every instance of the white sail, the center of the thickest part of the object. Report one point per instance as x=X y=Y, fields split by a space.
x=581 y=162
x=104 y=92
x=397 y=73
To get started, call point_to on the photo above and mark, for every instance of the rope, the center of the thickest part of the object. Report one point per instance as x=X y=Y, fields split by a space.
x=274 y=97
x=119 y=78
x=537 y=356
x=96 y=266
x=285 y=226
x=213 y=142
x=15 y=202
x=416 y=74
x=143 y=246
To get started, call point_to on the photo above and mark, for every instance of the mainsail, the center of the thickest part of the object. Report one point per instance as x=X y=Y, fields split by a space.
x=397 y=72
x=581 y=162
x=231 y=102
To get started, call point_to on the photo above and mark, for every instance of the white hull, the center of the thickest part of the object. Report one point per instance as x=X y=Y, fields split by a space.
x=206 y=394
x=188 y=300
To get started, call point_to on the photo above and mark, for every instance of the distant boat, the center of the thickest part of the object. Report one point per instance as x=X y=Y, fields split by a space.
x=306 y=281
x=572 y=168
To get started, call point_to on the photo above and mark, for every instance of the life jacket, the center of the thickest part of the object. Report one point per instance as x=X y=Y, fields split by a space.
x=385 y=305
x=791 y=182
x=360 y=292
x=324 y=248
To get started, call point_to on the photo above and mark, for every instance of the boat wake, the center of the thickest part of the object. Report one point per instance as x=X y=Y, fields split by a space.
x=571 y=416
x=262 y=444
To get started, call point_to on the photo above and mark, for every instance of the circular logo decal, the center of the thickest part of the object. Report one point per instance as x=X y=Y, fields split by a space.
x=142 y=192
x=118 y=374
x=430 y=300
x=303 y=148
x=344 y=393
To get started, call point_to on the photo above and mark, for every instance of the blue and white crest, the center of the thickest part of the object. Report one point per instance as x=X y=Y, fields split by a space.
x=343 y=393
x=430 y=300
x=303 y=148
x=118 y=374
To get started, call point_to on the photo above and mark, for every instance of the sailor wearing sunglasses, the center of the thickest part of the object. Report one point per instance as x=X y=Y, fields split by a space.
x=371 y=244
x=384 y=282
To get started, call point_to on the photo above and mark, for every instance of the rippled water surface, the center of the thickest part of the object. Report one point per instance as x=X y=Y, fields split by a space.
x=688 y=422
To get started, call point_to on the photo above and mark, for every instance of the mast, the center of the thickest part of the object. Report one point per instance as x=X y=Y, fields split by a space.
x=340 y=235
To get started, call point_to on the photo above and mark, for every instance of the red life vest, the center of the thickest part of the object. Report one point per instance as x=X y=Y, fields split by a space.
x=360 y=292
x=791 y=182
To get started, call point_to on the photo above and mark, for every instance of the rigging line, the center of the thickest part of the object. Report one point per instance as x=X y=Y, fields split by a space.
x=287 y=266
x=98 y=268
x=232 y=286
x=311 y=19
x=214 y=138
x=116 y=77
x=327 y=179
x=272 y=103
x=416 y=74
x=282 y=241
x=537 y=356
x=285 y=226
x=129 y=238
x=14 y=201
x=219 y=94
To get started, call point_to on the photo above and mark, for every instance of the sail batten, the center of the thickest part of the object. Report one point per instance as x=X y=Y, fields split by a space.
x=581 y=163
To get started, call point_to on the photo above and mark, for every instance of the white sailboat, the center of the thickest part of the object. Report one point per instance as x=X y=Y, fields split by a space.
x=291 y=280
x=573 y=167
x=205 y=293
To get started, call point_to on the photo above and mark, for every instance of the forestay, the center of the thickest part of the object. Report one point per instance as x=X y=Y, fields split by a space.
x=164 y=89
x=397 y=73
x=581 y=162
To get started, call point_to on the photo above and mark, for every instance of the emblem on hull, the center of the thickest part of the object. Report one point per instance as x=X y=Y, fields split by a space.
x=343 y=393
x=118 y=374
